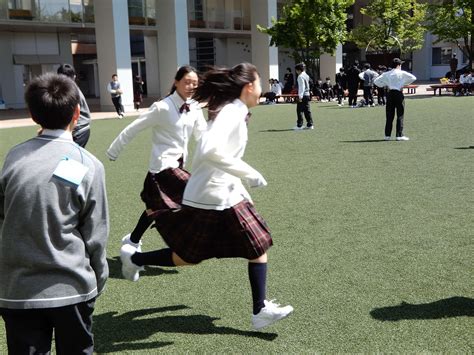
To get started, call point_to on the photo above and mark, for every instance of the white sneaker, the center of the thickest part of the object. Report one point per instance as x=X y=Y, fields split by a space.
x=130 y=271
x=297 y=128
x=403 y=138
x=309 y=127
x=387 y=138
x=137 y=246
x=271 y=313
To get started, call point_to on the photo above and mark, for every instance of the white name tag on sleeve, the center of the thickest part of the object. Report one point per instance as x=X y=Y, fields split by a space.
x=70 y=171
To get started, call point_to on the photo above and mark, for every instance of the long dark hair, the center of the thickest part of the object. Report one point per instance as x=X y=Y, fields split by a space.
x=220 y=86
x=182 y=71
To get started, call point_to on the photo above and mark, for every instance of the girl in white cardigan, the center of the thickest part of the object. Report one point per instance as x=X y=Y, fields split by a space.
x=217 y=218
x=173 y=121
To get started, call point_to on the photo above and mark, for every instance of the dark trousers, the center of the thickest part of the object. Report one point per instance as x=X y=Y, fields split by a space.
x=30 y=331
x=82 y=137
x=368 y=96
x=381 y=95
x=353 y=96
x=339 y=94
x=118 y=104
x=395 y=101
x=302 y=107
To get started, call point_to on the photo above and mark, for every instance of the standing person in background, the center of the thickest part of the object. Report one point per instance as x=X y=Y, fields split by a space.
x=54 y=227
x=341 y=86
x=137 y=92
x=381 y=91
x=81 y=132
x=368 y=76
x=395 y=79
x=116 y=93
x=217 y=218
x=289 y=81
x=353 y=81
x=304 y=98
x=173 y=121
x=453 y=64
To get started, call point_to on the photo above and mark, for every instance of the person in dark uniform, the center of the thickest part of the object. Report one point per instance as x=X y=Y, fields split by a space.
x=353 y=82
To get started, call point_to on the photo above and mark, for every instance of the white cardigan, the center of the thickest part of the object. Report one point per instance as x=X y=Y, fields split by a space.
x=171 y=131
x=218 y=166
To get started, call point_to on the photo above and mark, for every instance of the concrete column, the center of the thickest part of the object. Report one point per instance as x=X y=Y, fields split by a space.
x=113 y=50
x=152 y=65
x=173 y=41
x=330 y=64
x=11 y=83
x=264 y=57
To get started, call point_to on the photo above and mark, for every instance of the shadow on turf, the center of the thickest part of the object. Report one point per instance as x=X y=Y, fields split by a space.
x=470 y=147
x=365 y=141
x=278 y=130
x=115 y=269
x=115 y=332
x=445 y=308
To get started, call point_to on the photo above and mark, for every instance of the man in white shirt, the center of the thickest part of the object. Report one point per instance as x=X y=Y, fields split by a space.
x=304 y=98
x=395 y=79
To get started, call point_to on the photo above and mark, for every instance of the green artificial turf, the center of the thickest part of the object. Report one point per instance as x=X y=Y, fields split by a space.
x=373 y=240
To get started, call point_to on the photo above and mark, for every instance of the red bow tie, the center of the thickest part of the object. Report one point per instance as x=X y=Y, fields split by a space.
x=184 y=107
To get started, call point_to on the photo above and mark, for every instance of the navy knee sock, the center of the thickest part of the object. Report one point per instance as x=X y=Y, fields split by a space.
x=162 y=257
x=143 y=223
x=258 y=284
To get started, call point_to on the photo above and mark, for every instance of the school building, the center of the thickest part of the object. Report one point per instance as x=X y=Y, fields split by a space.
x=152 y=38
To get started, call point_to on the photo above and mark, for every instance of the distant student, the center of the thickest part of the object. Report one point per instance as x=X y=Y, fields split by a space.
x=395 y=79
x=304 y=98
x=341 y=86
x=54 y=227
x=81 y=132
x=217 y=218
x=116 y=92
x=173 y=121
x=368 y=76
x=137 y=92
x=353 y=82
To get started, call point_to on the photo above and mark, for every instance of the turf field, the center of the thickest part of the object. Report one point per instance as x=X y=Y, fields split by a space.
x=373 y=240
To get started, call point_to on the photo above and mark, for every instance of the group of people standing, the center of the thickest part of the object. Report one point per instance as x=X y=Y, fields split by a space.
x=52 y=276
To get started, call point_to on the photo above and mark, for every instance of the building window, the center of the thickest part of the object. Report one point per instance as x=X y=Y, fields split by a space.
x=441 y=55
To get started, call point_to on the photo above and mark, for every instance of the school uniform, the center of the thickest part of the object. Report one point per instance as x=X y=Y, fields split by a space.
x=172 y=122
x=394 y=79
x=303 y=104
x=217 y=218
x=53 y=266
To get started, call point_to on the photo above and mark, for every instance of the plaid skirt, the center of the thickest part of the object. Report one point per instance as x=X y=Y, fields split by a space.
x=164 y=190
x=196 y=234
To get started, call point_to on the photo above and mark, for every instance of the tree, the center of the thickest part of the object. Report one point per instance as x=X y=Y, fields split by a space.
x=309 y=28
x=396 y=27
x=453 y=21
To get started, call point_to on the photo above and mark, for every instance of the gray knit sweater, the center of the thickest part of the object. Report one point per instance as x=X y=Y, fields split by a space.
x=53 y=235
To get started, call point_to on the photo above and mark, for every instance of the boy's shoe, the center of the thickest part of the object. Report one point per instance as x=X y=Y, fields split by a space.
x=386 y=138
x=130 y=271
x=271 y=313
x=403 y=138
x=309 y=127
x=297 y=128
x=137 y=246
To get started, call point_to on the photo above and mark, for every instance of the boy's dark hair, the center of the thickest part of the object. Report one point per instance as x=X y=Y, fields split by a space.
x=221 y=86
x=68 y=70
x=367 y=66
x=182 y=71
x=52 y=99
x=300 y=66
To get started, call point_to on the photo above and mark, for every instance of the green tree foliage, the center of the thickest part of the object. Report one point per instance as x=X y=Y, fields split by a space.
x=309 y=28
x=453 y=21
x=396 y=26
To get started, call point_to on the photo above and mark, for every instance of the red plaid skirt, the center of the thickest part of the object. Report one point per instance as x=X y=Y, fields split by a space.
x=196 y=234
x=164 y=190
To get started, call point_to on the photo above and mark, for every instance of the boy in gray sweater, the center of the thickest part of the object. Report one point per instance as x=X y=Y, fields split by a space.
x=54 y=227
